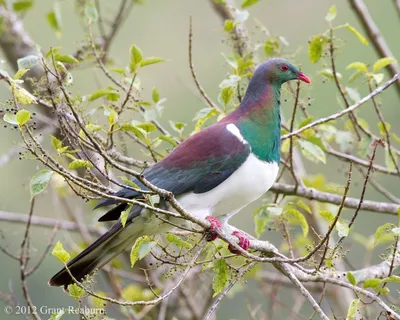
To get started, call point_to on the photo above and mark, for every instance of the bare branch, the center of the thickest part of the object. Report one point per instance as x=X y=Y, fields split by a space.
x=313 y=194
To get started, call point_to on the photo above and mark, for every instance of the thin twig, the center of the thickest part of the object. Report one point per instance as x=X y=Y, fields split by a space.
x=196 y=81
x=24 y=254
x=304 y=292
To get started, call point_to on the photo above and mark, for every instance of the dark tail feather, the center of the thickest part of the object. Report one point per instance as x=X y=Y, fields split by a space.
x=100 y=252
x=114 y=213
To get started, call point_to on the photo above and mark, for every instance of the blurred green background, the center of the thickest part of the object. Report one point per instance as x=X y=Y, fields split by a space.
x=160 y=28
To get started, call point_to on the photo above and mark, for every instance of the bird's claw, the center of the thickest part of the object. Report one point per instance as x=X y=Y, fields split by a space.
x=215 y=224
x=244 y=242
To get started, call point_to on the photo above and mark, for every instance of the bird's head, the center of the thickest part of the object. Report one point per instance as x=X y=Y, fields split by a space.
x=279 y=70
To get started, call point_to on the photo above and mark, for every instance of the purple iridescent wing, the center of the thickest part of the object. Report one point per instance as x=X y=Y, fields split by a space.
x=199 y=164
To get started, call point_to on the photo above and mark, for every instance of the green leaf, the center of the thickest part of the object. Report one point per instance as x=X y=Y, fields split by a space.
x=22 y=5
x=54 y=20
x=39 y=182
x=60 y=253
x=147 y=126
x=80 y=163
x=22 y=96
x=141 y=248
x=177 y=126
x=382 y=127
x=124 y=214
x=202 y=116
x=56 y=143
x=75 y=291
x=342 y=228
x=305 y=122
x=93 y=127
x=172 y=238
x=248 y=3
x=327 y=215
x=220 y=280
x=91 y=11
x=263 y=216
x=296 y=217
x=129 y=182
x=138 y=132
x=155 y=95
x=382 y=63
x=22 y=117
x=229 y=25
x=227 y=94
x=136 y=57
x=382 y=230
x=355 y=76
x=304 y=206
x=20 y=73
x=151 y=60
x=110 y=93
x=351 y=279
x=168 y=139
x=261 y=220
x=10 y=118
x=312 y=151
x=358 y=66
x=66 y=58
x=316 y=47
x=389 y=161
x=357 y=34
x=391 y=278
x=331 y=14
x=371 y=283
x=28 y=62
x=352 y=311
x=52 y=52
x=271 y=48
x=112 y=117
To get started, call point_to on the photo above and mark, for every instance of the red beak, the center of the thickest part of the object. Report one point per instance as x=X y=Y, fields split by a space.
x=301 y=76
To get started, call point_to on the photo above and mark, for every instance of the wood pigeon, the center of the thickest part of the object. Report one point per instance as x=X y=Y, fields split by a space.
x=214 y=173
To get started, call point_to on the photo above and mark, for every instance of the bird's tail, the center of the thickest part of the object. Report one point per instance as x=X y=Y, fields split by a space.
x=100 y=252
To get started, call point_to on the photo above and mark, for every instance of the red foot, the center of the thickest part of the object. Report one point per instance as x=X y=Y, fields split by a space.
x=244 y=242
x=215 y=224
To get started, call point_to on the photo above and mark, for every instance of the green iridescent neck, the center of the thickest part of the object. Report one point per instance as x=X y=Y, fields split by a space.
x=260 y=124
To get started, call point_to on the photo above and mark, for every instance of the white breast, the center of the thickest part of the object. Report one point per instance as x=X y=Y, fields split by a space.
x=248 y=183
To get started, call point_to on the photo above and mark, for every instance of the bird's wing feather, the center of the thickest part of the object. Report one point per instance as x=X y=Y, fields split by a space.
x=199 y=164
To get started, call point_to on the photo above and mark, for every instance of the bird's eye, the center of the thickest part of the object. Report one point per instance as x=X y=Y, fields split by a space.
x=284 y=67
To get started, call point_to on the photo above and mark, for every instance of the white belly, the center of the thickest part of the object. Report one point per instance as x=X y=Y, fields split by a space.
x=248 y=183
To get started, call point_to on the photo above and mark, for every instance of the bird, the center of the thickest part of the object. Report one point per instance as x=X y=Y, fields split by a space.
x=213 y=174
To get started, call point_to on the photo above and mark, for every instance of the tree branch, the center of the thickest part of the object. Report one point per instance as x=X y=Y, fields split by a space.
x=375 y=36
x=340 y=114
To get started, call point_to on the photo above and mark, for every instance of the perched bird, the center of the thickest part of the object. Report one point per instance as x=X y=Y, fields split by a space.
x=215 y=172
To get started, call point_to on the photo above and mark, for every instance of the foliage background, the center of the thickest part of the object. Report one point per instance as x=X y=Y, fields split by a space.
x=160 y=28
